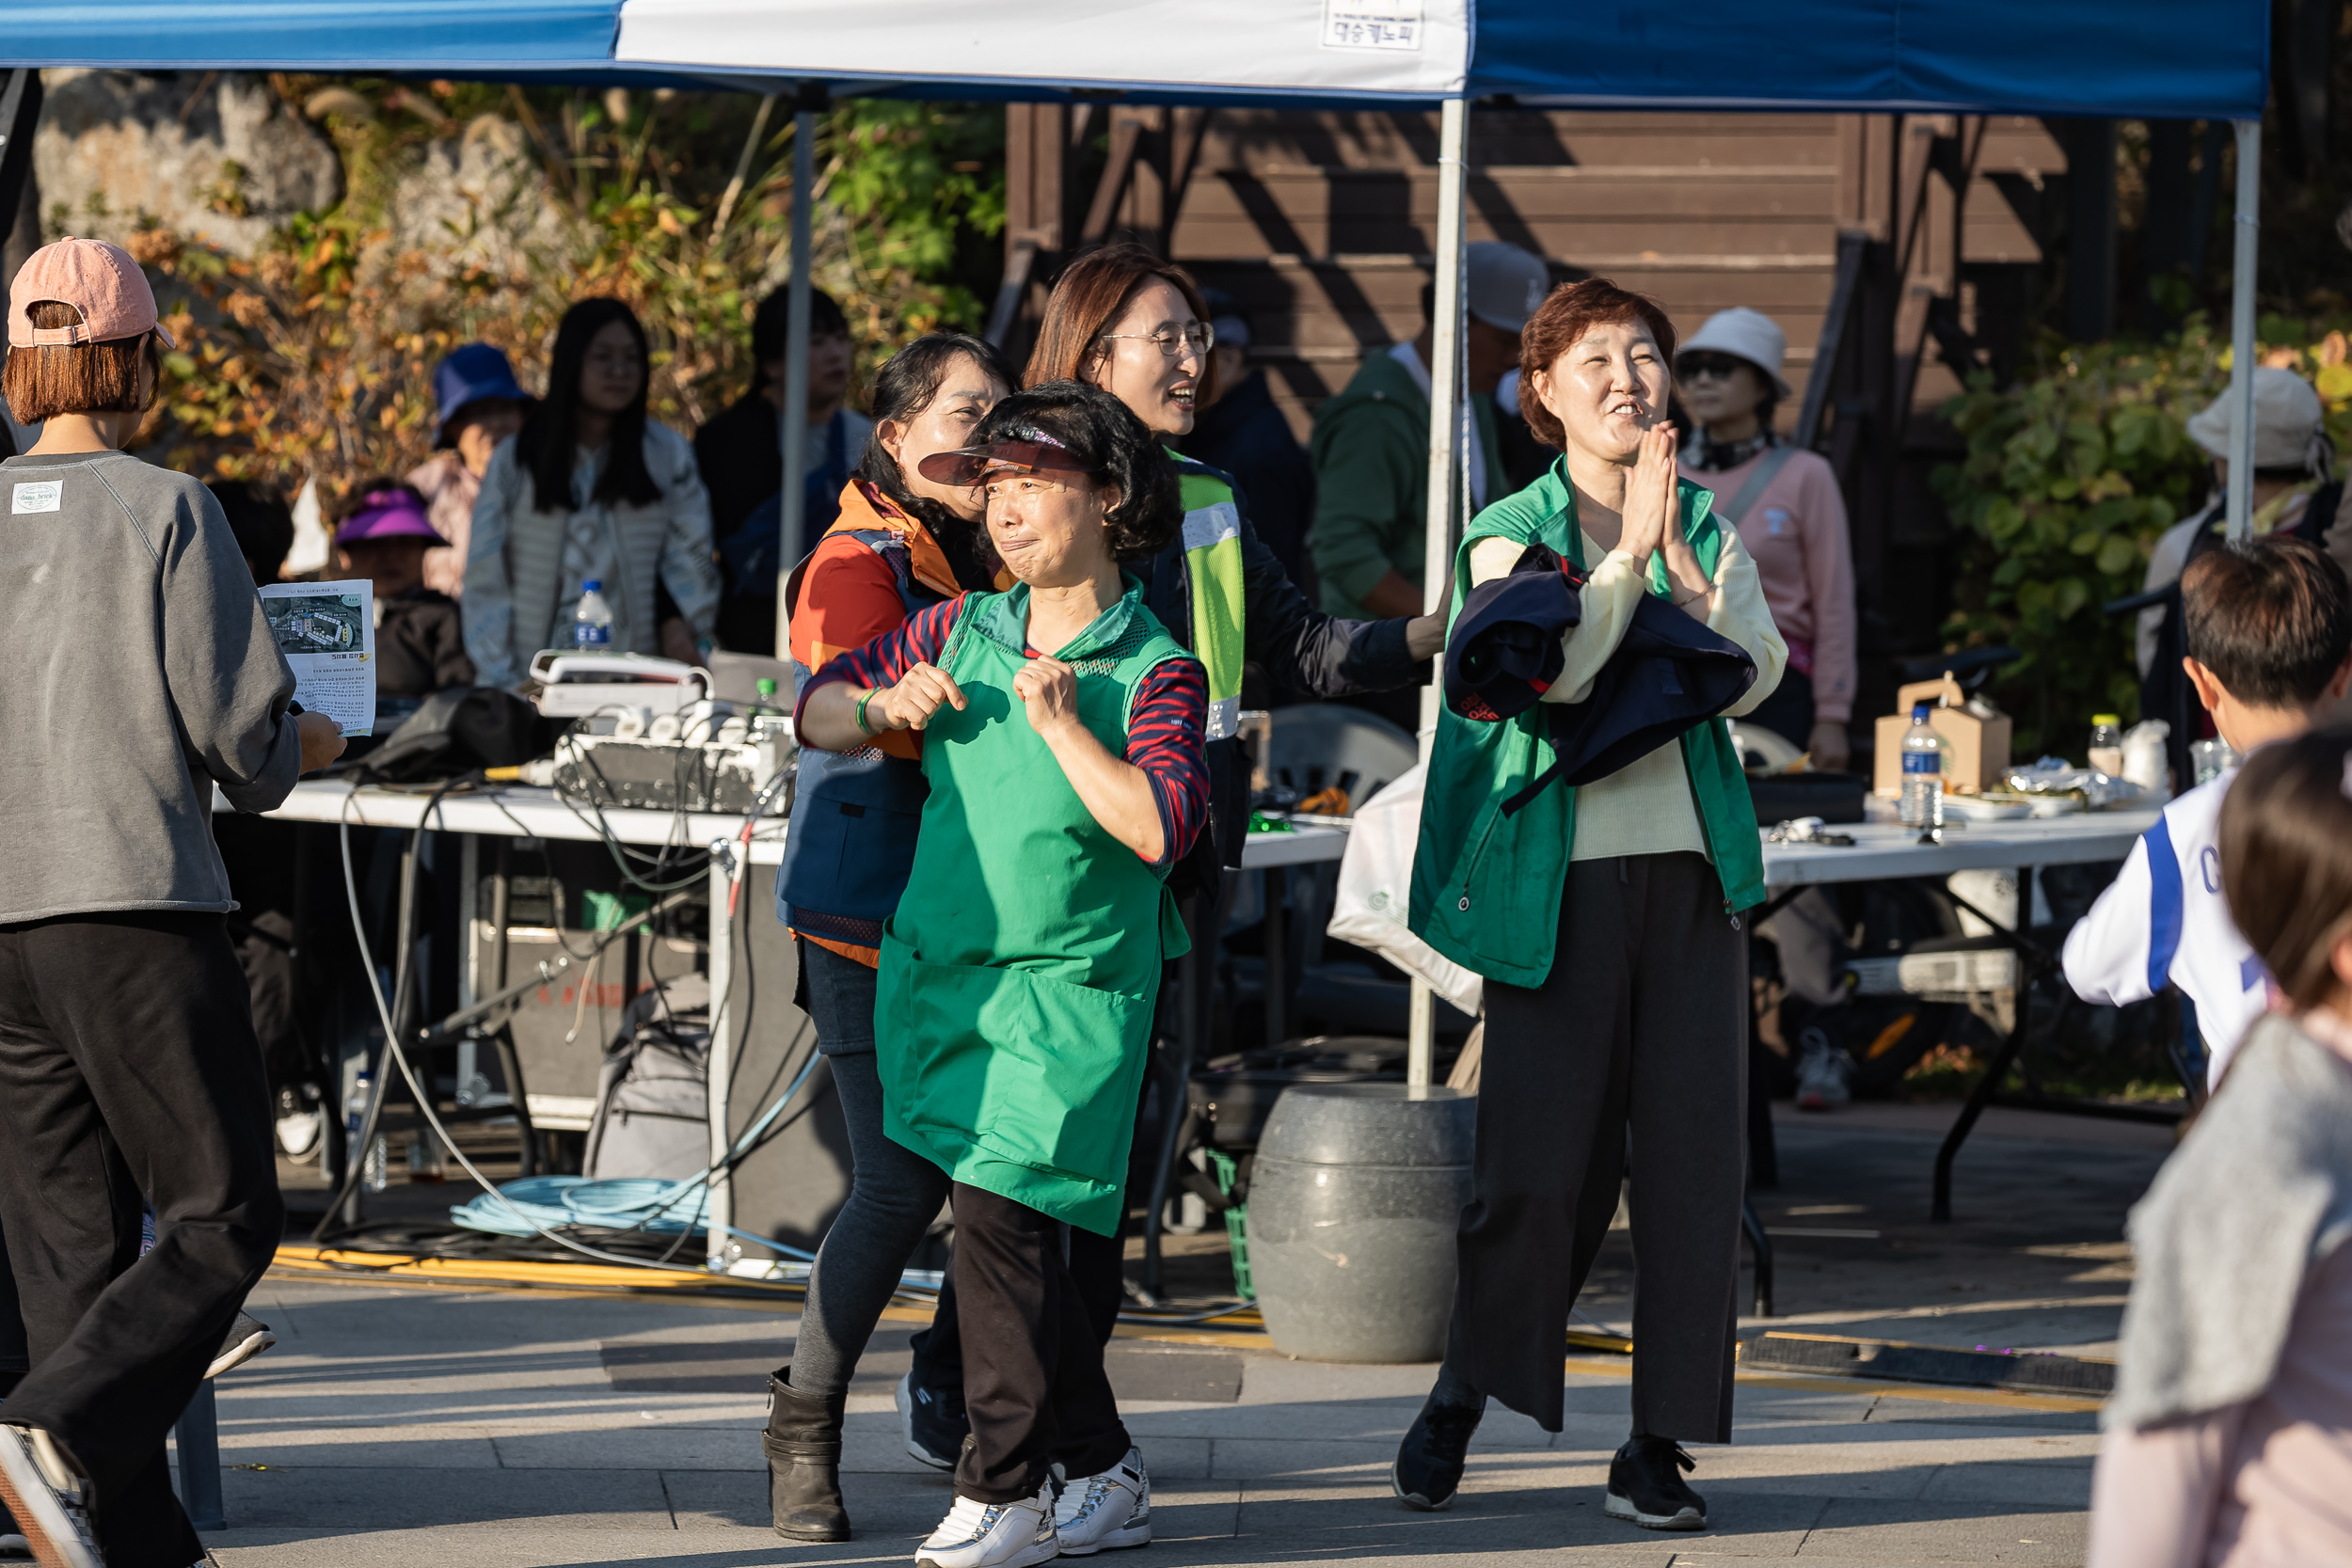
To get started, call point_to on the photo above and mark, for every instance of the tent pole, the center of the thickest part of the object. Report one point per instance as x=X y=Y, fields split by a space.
x=795 y=499
x=2248 y=230
x=1445 y=447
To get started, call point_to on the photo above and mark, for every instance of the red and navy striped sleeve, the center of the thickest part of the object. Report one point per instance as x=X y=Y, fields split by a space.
x=1164 y=730
x=882 y=662
x=1164 y=739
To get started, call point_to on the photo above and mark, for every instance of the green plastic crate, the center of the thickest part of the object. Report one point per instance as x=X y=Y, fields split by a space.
x=1222 y=1167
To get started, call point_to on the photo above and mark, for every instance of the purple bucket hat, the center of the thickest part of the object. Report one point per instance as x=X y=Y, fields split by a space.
x=388 y=515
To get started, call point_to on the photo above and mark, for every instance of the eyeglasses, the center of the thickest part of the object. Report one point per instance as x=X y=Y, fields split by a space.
x=1197 y=339
x=1706 y=362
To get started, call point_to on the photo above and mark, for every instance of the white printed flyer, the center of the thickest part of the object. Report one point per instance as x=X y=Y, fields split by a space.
x=327 y=630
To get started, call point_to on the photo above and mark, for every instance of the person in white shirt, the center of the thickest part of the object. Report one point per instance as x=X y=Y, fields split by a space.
x=2268 y=627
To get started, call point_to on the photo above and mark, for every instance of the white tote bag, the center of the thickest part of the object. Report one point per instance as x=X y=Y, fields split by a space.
x=1377 y=889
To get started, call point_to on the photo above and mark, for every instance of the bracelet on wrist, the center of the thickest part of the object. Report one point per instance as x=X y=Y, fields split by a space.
x=869 y=696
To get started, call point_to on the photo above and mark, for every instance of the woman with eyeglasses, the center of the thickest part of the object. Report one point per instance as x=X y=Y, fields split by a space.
x=1790 y=516
x=1121 y=319
x=589 y=492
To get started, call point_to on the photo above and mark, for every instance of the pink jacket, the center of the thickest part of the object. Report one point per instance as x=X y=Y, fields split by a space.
x=1796 y=531
x=448 y=488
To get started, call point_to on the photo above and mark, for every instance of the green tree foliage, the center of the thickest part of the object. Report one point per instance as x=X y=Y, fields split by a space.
x=312 y=359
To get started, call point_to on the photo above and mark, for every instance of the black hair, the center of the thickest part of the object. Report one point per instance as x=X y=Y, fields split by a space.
x=263 y=522
x=772 y=328
x=2271 y=618
x=547 y=444
x=903 y=388
x=1118 y=448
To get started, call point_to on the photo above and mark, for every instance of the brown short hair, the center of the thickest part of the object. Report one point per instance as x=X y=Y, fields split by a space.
x=1563 y=317
x=77 y=378
x=2271 y=618
x=2286 y=859
x=1090 y=297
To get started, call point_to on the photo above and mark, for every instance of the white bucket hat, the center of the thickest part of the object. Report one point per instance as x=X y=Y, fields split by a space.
x=1750 y=334
x=2289 y=424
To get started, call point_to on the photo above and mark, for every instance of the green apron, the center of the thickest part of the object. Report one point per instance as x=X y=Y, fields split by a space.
x=1013 y=1009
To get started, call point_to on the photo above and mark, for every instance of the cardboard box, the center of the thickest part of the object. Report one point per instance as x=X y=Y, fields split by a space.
x=1979 y=746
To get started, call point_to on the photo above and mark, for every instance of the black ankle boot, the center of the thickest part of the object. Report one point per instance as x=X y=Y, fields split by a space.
x=803 y=1444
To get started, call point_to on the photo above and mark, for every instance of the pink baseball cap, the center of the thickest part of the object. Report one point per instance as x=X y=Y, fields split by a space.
x=96 y=278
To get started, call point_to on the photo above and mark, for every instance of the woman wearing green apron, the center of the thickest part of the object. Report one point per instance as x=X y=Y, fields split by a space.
x=1020 y=973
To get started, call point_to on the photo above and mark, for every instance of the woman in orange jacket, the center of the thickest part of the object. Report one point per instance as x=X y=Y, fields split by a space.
x=902 y=543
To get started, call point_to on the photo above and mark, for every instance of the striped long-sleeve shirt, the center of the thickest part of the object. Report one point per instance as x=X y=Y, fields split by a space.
x=1164 y=729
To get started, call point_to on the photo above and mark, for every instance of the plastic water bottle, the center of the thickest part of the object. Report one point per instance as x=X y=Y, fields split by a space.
x=1922 y=805
x=592 y=623
x=376 y=1162
x=2106 y=744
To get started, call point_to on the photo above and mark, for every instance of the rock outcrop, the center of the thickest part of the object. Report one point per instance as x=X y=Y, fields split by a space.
x=214 y=155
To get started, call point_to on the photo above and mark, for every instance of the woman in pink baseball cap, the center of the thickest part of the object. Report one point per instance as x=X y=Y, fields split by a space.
x=137 y=676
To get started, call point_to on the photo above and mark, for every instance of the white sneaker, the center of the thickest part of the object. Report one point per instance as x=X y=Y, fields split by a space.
x=1824 y=1073
x=45 y=1497
x=298 y=1132
x=994 y=1535
x=1104 y=1513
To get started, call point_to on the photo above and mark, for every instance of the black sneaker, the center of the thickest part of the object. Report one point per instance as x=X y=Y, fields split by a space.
x=246 y=1338
x=931 y=1423
x=1646 y=1486
x=1429 y=1462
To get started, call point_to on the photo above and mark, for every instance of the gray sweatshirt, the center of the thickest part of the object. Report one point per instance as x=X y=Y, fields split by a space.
x=135 y=673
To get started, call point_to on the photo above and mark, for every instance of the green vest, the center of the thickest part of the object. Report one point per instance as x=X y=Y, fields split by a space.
x=1486 y=887
x=1219 y=600
x=1013 y=1008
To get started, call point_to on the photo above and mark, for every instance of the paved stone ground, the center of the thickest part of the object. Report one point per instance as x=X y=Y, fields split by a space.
x=534 y=1429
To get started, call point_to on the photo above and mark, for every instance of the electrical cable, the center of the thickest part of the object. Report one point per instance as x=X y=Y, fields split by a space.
x=749 y=1142
x=355 y=1160
x=395 y=1048
x=665 y=1195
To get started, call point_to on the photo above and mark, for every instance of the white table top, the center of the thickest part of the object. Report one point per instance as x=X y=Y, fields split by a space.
x=1881 y=849
x=1887 y=849
x=518 y=808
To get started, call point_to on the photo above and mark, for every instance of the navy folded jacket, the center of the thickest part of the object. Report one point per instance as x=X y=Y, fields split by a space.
x=1669 y=673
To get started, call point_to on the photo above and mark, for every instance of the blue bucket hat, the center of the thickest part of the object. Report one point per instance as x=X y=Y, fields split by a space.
x=470 y=374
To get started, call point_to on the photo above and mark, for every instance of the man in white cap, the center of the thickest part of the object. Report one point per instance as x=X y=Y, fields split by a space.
x=2293 y=462
x=1371 y=445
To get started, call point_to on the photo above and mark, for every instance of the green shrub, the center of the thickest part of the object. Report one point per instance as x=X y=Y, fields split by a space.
x=2070 y=476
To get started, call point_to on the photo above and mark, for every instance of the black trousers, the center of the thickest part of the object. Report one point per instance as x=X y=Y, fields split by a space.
x=1641 y=1030
x=128 y=1067
x=1033 y=1378
x=1098 y=1266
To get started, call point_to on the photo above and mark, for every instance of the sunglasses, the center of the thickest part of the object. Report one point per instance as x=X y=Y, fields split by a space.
x=1707 y=362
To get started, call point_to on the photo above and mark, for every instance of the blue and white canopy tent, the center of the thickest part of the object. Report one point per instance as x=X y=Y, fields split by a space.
x=2176 y=59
